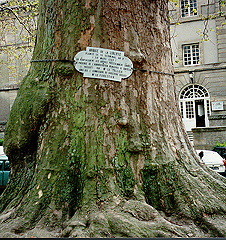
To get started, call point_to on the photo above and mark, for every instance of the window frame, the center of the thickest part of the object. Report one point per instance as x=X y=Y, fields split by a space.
x=189 y=10
x=192 y=56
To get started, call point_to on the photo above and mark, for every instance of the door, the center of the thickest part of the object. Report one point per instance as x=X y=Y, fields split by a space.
x=200 y=113
x=194 y=105
x=189 y=115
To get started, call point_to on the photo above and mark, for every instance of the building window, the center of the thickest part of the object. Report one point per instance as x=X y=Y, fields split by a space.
x=191 y=54
x=194 y=91
x=188 y=8
x=182 y=109
x=189 y=109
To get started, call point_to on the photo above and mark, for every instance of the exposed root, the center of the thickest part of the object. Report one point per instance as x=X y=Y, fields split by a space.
x=133 y=219
x=216 y=224
x=127 y=219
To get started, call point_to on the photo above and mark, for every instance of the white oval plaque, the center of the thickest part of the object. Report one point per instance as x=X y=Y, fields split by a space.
x=103 y=64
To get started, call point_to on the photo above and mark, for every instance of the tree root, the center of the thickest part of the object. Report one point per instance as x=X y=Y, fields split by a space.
x=130 y=218
x=216 y=224
x=133 y=219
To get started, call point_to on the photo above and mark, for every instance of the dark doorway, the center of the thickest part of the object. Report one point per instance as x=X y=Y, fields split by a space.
x=200 y=113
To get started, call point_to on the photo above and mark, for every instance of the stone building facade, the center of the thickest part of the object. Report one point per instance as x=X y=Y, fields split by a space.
x=198 y=38
x=16 y=46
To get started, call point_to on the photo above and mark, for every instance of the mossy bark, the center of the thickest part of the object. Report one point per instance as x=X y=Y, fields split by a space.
x=100 y=158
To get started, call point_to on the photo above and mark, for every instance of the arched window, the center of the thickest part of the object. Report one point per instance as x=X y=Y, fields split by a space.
x=194 y=91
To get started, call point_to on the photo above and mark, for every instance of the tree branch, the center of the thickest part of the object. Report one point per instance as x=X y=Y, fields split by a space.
x=18 y=19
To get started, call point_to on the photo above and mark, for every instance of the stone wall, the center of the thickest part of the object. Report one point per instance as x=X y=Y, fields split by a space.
x=206 y=138
x=217 y=120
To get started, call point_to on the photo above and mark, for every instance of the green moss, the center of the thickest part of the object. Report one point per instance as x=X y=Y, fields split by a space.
x=19 y=183
x=79 y=119
x=125 y=181
x=27 y=113
x=158 y=186
x=69 y=189
x=121 y=163
x=64 y=69
x=38 y=212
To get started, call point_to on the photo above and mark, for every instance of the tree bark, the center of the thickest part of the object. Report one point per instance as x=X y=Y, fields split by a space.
x=99 y=158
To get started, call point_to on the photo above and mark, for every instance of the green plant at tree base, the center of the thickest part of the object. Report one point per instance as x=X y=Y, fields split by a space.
x=1 y=142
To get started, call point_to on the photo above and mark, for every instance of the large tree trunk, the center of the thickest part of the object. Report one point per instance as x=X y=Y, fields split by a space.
x=101 y=158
